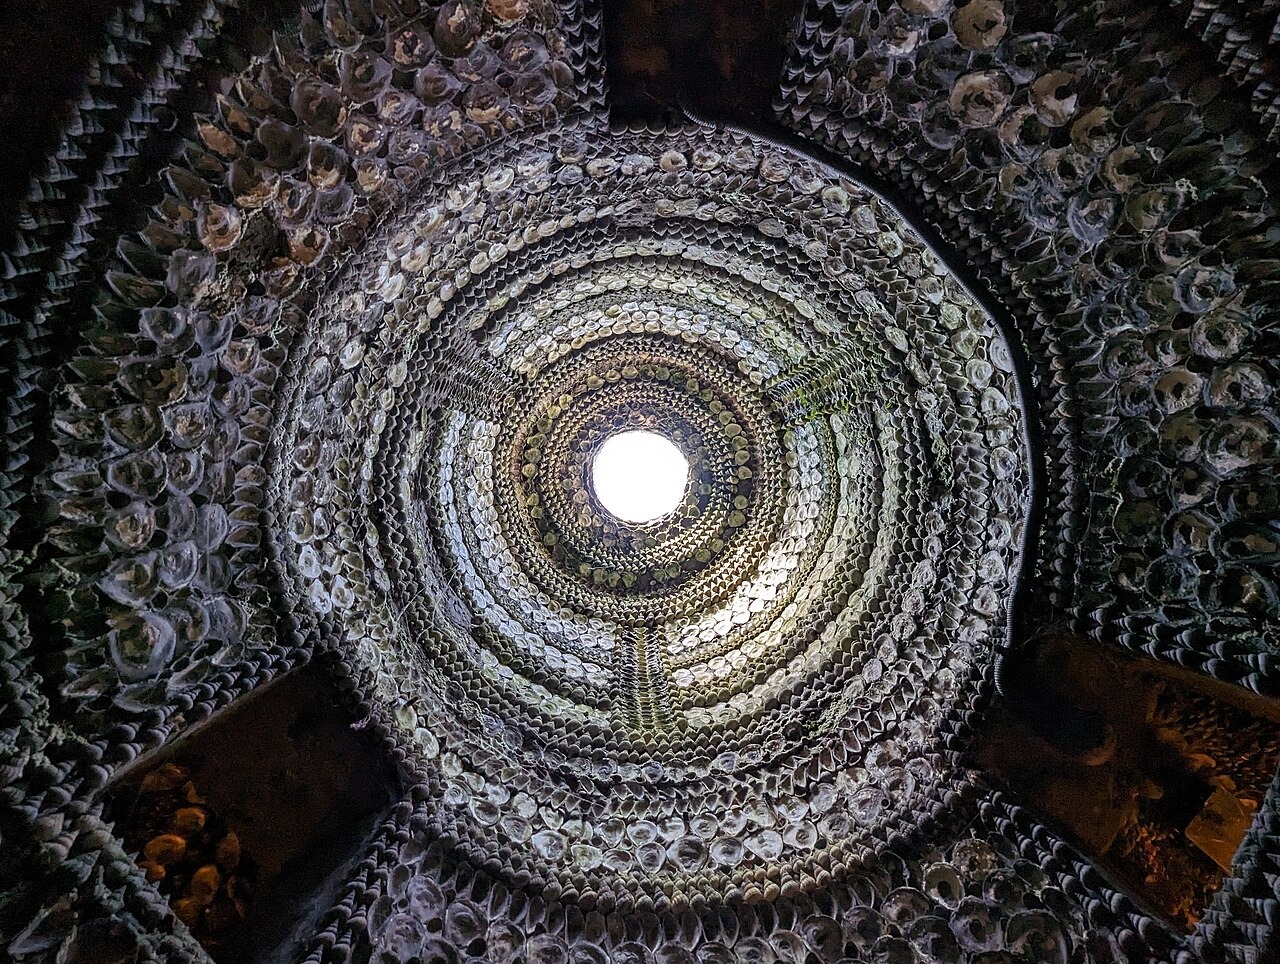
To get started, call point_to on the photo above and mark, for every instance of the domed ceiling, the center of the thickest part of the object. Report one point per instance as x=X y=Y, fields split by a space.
x=318 y=319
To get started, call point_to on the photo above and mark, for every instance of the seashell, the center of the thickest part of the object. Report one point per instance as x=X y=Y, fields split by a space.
x=1003 y=887
x=319 y=109
x=1219 y=334
x=464 y=923
x=140 y=644
x=138 y=475
x=976 y=925
x=167 y=776
x=507 y=11
x=190 y=625
x=1199 y=289
x=306 y=246
x=534 y=90
x=1091 y=218
x=131 y=580
x=942 y=882
x=939 y=126
x=333 y=206
x=326 y=165
x=1244 y=589
x=216 y=139
x=154 y=380
x=889 y=949
x=190 y=271
x=549 y=845
x=397 y=108
x=1038 y=935
x=974 y=859
x=188 y=424
x=481 y=63
x=178 y=565
x=133 y=426
x=404 y=937
x=1054 y=97
x=504 y=941
x=404 y=147
x=457 y=28
x=382 y=408
x=167 y=327
x=1092 y=132
x=132 y=526
x=1122 y=168
x=904 y=905
x=165 y=849
x=978 y=99
x=1238 y=384
x=485 y=103
x=435 y=84
x=251 y=184
x=1240 y=442
x=546 y=949
x=344 y=25
x=980 y=25
x=1152 y=209
x=1178 y=389
x=205 y=883
x=184 y=471
x=866 y=804
x=410 y=46
x=687 y=854
x=294 y=201
x=933 y=938
x=524 y=52
x=220 y=227
x=1027 y=53
x=212 y=332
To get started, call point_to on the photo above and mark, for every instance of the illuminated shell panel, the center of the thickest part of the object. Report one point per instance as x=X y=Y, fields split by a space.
x=613 y=708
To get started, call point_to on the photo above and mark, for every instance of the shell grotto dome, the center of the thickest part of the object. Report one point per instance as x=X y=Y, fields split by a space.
x=558 y=481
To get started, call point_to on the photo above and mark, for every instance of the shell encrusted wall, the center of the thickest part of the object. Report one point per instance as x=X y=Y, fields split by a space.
x=316 y=317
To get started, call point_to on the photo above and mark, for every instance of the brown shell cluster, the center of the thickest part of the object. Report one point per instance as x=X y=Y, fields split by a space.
x=189 y=850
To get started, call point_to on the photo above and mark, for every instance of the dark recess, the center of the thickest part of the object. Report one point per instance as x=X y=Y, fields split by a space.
x=722 y=57
x=1136 y=760
x=45 y=49
x=288 y=771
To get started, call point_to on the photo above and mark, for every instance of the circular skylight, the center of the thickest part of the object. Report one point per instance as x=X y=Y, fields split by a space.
x=639 y=476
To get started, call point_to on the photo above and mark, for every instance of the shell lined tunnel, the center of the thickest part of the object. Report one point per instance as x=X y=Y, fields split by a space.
x=952 y=638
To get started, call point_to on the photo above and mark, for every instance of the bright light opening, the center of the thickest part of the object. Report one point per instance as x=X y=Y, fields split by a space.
x=639 y=476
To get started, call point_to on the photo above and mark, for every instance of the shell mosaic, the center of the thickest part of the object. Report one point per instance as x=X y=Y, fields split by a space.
x=1123 y=163
x=621 y=688
x=318 y=319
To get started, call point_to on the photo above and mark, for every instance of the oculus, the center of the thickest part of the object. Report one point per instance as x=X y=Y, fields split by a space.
x=639 y=476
